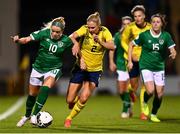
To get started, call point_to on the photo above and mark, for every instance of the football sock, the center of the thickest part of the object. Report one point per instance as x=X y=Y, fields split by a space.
x=29 y=104
x=142 y=90
x=41 y=99
x=147 y=96
x=76 y=109
x=130 y=88
x=126 y=101
x=76 y=99
x=156 y=104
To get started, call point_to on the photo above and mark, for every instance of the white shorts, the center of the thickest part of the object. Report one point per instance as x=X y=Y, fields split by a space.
x=122 y=75
x=157 y=77
x=37 y=78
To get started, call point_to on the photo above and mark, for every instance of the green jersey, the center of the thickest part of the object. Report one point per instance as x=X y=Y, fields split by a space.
x=153 y=49
x=120 y=60
x=50 y=51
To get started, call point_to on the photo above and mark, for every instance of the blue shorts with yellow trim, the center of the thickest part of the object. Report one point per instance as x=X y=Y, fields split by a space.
x=135 y=72
x=78 y=76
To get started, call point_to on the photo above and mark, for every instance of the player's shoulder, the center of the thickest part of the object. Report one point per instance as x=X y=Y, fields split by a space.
x=117 y=34
x=103 y=28
x=131 y=25
x=166 y=34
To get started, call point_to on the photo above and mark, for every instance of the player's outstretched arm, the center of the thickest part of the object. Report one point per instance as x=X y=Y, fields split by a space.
x=22 y=40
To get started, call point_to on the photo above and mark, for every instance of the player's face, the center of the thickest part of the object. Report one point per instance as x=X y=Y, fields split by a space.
x=139 y=17
x=93 y=27
x=56 y=32
x=156 y=24
x=125 y=22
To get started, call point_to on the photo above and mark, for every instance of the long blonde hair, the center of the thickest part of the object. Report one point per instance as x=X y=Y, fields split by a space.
x=59 y=20
x=95 y=17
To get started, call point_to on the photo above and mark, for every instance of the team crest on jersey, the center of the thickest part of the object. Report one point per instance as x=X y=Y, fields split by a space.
x=161 y=41
x=60 y=43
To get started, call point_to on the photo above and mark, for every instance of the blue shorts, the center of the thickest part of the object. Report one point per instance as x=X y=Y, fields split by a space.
x=78 y=76
x=135 y=72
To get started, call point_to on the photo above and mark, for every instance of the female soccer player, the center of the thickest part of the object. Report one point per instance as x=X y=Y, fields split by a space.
x=131 y=32
x=154 y=43
x=121 y=69
x=47 y=66
x=94 y=40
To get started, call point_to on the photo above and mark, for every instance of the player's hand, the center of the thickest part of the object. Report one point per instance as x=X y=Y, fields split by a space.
x=15 y=38
x=96 y=39
x=130 y=65
x=82 y=64
x=173 y=55
x=75 y=49
x=112 y=67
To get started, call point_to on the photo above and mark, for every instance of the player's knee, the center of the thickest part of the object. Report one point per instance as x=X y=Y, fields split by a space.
x=84 y=98
x=69 y=99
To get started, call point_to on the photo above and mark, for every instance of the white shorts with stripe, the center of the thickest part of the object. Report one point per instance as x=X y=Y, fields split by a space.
x=122 y=75
x=158 y=77
x=37 y=78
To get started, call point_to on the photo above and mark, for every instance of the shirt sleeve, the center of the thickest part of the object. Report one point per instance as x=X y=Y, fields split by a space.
x=82 y=30
x=125 y=36
x=117 y=39
x=138 y=40
x=170 y=42
x=68 y=42
x=38 y=35
x=107 y=35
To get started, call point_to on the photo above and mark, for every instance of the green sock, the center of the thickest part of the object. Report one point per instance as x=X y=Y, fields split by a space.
x=147 y=96
x=126 y=101
x=41 y=99
x=29 y=105
x=156 y=104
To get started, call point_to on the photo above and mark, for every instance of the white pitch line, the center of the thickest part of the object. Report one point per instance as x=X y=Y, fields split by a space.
x=12 y=109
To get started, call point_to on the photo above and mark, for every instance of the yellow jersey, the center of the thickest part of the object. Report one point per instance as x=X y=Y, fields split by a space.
x=130 y=32
x=93 y=52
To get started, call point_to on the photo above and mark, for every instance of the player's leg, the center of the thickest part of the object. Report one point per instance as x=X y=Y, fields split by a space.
x=148 y=79
x=42 y=97
x=159 y=82
x=49 y=81
x=86 y=92
x=72 y=94
x=122 y=84
x=134 y=79
x=91 y=81
x=31 y=99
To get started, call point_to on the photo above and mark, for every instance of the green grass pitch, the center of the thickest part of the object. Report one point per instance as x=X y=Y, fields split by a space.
x=101 y=115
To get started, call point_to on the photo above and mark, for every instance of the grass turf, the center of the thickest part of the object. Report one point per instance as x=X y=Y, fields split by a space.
x=101 y=115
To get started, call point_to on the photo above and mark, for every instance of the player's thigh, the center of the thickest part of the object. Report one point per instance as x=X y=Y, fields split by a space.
x=148 y=79
x=159 y=78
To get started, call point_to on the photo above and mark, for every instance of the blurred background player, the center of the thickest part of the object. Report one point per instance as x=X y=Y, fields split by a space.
x=47 y=66
x=131 y=32
x=121 y=68
x=154 y=43
x=95 y=39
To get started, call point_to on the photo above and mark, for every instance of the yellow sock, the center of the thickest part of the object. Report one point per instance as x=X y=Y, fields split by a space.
x=130 y=88
x=76 y=109
x=142 y=97
x=76 y=99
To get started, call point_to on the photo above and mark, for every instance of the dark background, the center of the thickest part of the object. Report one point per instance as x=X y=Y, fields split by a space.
x=33 y=13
